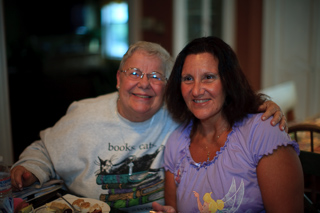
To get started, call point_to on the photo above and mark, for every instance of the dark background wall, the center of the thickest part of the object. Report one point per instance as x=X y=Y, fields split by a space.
x=49 y=66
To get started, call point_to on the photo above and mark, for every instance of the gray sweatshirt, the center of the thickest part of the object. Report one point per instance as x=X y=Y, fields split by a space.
x=101 y=155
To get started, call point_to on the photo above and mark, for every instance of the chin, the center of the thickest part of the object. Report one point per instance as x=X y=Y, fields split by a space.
x=146 y=110
x=201 y=116
x=142 y=110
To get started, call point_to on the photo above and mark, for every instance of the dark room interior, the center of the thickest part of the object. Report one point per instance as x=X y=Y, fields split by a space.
x=49 y=65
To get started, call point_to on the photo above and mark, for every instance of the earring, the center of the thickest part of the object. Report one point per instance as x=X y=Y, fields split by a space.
x=118 y=87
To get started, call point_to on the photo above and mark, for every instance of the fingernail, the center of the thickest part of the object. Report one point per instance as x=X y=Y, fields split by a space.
x=282 y=128
x=263 y=118
x=273 y=123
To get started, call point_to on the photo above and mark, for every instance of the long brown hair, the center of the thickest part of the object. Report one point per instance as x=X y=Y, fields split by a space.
x=240 y=98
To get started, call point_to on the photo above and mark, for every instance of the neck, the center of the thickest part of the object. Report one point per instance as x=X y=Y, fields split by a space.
x=133 y=116
x=214 y=133
x=213 y=128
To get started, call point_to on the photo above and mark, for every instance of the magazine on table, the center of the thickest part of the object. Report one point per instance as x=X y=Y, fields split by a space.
x=36 y=190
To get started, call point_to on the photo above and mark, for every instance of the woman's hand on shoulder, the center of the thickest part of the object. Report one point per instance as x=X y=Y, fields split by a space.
x=270 y=108
x=21 y=177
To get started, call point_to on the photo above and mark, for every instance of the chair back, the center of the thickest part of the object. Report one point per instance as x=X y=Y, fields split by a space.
x=308 y=130
x=310 y=160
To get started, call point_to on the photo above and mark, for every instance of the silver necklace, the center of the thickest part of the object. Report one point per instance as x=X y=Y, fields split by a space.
x=208 y=154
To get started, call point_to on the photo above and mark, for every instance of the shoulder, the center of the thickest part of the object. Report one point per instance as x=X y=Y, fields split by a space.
x=260 y=137
x=90 y=110
x=102 y=101
x=178 y=137
x=102 y=105
x=253 y=124
x=178 y=141
x=164 y=116
x=254 y=128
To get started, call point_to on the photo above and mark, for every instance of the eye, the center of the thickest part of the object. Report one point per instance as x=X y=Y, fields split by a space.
x=186 y=79
x=155 y=76
x=209 y=78
x=134 y=73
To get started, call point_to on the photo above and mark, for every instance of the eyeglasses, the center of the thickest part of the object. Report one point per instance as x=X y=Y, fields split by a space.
x=136 y=74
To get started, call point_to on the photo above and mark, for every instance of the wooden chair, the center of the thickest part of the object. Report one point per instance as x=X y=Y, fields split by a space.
x=306 y=128
x=310 y=160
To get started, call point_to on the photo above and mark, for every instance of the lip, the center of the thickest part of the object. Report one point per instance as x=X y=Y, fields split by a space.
x=200 y=101
x=142 y=95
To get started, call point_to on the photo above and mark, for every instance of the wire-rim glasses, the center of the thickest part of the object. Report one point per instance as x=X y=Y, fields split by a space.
x=136 y=74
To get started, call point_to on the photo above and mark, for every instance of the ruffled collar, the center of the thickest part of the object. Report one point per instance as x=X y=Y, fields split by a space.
x=205 y=164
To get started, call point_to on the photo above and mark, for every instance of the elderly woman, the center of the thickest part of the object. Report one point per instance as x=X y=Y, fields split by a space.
x=224 y=157
x=111 y=147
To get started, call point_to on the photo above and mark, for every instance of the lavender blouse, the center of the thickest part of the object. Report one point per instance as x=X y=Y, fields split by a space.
x=228 y=183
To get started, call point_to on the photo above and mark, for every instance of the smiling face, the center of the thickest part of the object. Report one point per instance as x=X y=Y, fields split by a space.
x=201 y=86
x=140 y=99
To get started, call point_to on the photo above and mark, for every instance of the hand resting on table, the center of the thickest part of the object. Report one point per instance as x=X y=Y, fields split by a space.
x=21 y=177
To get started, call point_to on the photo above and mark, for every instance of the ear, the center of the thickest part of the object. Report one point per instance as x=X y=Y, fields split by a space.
x=118 y=79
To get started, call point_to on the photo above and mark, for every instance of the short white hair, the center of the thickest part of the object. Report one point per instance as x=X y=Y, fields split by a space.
x=152 y=49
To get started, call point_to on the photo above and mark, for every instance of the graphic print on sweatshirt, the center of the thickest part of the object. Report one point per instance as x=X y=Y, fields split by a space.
x=130 y=182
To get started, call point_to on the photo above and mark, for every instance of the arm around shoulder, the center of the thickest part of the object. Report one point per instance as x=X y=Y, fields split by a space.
x=280 y=179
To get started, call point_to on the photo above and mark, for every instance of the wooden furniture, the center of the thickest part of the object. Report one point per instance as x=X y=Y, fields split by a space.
x=308 y=130
x=309 y=159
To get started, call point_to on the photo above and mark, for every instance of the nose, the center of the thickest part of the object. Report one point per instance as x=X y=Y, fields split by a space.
x=144 y=81
x=197 y=89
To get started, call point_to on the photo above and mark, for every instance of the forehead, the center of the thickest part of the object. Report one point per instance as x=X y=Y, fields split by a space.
x=144 y=61
x=200 y=62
